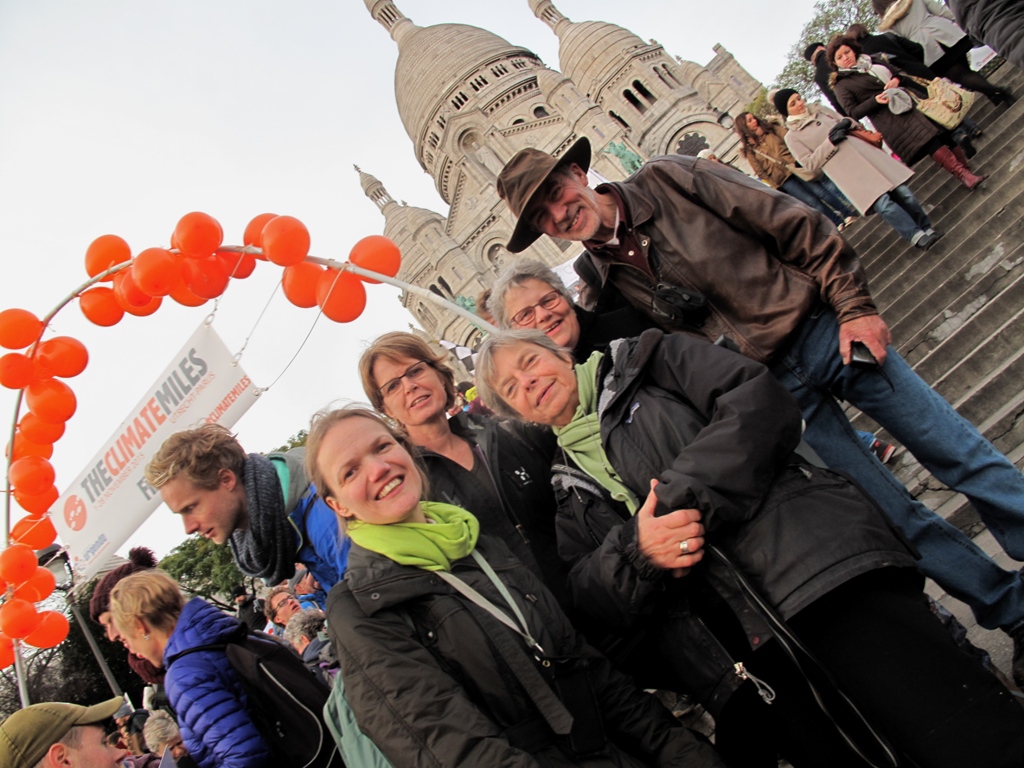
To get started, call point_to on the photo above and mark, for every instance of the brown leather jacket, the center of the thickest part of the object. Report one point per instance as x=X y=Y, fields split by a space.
x=762 y=259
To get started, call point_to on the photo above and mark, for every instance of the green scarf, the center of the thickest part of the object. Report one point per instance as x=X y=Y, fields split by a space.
x=450 y=535
x=581 y=437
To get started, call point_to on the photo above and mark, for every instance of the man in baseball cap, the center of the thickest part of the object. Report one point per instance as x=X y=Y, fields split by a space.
x=58 y=735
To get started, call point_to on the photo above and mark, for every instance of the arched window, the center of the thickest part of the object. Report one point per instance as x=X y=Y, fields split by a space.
x=632 y=99
x=650 y=97
x=618 y=119
x=540 y=112
x=444 y=284
x=691 y=144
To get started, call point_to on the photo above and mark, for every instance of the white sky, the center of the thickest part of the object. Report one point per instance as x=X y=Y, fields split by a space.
x=118 y=116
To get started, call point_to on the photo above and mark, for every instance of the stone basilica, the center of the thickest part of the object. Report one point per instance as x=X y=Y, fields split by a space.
x=470 y=100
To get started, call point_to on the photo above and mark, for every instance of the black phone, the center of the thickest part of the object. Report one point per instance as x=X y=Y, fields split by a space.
x=861 y=357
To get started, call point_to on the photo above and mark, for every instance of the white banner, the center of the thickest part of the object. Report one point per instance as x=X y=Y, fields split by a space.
x=111 y=498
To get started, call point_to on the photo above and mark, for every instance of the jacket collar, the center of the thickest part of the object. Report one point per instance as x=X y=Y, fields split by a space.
x=628 y=359
x=636 y=209
x=894 y=13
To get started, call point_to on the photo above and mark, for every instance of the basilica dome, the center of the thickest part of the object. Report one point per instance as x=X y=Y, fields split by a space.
x=431 y=60
x=590 y=52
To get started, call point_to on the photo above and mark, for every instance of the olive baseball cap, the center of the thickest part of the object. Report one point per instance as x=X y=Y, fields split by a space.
x=524 y=174
x=26 y=735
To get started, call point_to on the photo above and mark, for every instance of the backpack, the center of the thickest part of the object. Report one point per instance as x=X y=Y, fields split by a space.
x=285 y=698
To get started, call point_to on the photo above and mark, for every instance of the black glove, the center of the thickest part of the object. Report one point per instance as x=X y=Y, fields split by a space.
x=839 y=131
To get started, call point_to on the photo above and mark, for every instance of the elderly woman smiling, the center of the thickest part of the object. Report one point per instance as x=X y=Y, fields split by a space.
x=669 y=439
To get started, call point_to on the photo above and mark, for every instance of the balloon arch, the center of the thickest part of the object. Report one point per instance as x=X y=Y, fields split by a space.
x=196 y=268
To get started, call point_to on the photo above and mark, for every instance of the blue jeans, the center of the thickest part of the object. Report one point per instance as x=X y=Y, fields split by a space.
x=821 y=195
x=949 y=446
x=902 y=212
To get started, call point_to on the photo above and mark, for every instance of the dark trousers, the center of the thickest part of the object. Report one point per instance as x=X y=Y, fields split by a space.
x=876 y=635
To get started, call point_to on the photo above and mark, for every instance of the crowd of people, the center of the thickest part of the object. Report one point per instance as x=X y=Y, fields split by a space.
x=656 y=489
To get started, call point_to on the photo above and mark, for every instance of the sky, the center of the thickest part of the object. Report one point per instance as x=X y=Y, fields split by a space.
x=119 y=117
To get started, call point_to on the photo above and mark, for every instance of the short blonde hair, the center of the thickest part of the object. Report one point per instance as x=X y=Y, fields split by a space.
x=152 y=596
x=324 y=421
x=393 y=346
x=199 y=455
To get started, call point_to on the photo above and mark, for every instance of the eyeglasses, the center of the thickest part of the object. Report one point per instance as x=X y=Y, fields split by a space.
x=527 y=315
x=275 y=608
x=112 y=736
x=414 y=372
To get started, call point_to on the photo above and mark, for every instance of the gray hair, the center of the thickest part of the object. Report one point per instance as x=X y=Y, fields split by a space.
x=485 y=370
x=160 y=729
x=307 y=624
x=513 y=276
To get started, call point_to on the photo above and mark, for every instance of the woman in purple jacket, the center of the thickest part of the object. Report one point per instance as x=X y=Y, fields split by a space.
x=156 y=623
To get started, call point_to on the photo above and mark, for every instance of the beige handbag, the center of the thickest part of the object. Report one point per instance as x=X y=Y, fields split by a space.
x=947 y=103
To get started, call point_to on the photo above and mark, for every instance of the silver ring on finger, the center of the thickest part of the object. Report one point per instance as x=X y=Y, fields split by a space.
x=684 y=546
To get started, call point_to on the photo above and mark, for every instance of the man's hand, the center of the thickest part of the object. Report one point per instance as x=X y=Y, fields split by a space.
x=869 y=329
x=674 y=541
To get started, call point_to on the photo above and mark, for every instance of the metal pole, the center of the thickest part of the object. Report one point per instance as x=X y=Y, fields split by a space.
x=19 y=672
x=95 y=648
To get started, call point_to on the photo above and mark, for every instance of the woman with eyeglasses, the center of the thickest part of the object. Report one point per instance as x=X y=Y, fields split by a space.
x=156 y=623
x=499 y=471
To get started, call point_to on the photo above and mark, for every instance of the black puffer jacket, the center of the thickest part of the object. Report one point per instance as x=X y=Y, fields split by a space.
x=717 y=430
x=908 y=134
x=434 y=680
x=997 y=23
x=518 y=458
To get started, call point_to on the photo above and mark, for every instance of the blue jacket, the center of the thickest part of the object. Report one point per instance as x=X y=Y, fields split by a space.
x=207 y=695
x=321 y=546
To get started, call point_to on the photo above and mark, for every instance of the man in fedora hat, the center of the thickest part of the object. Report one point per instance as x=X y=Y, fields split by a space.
x=58 y=735
x=704 y=250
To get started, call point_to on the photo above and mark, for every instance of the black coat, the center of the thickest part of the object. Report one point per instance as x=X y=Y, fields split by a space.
x=997 y=23
x=822 y=78
x=717 y=430
x=898 y=54
x=434 y=680
x=518 y=459
x=908 y=134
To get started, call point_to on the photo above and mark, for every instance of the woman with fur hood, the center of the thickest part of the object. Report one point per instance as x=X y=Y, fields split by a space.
x=933 y=26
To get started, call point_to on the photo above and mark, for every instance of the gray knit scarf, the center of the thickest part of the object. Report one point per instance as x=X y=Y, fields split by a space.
x=266 y=549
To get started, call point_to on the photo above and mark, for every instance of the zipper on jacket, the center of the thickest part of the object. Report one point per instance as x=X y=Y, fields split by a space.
x=765 y=691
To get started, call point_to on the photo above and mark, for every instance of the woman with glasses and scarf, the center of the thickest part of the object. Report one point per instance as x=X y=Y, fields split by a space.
x=499 y=471
x=453 y=653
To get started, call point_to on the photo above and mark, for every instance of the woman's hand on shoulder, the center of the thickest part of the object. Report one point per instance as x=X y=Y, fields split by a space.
x=674 y=542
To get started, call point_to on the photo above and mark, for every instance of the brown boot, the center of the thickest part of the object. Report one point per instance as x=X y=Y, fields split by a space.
x=961 y=154
x=945 y=157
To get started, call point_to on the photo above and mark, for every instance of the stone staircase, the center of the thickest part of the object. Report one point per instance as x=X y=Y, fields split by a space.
x=957 y=311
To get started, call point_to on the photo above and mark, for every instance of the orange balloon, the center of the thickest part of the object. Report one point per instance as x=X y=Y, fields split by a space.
x=51 y=631
x=18 y=328
x=341 y=295
x=377 y=254
x=100 y=306
x=127 y=293
x=16 y=370
x=239 y=265
x=197 y=234
x=24 y=447
x=37 y=505
x=51 y=400
x=18 y=617
x=156 y=271
x=63 y=356
x=34 y=532
x=31 y=474
x=206 y=277
x=40 y=585
x=184 y=296
x=17 y=563
x=6 y=651
x=285 y=241
x=254 y=230
x=35 y=430
x=148 y=309
x=299 y=283
x=105 y=252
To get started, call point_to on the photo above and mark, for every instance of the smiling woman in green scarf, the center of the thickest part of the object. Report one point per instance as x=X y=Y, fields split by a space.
x=666 y=436
x=451 y=651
